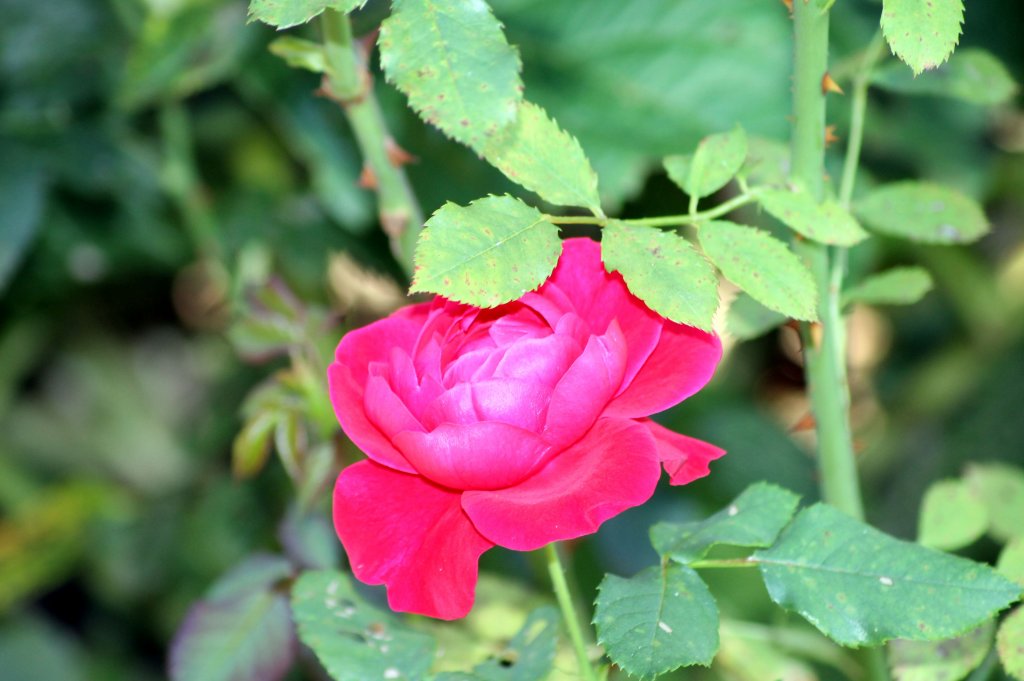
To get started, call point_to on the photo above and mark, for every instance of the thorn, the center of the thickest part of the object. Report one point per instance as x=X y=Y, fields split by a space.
x=829 y=85
x=830 y=135
x=807 y=422
x=816 y=334
x=396 y=154
x=367 y=178
x=789 y=6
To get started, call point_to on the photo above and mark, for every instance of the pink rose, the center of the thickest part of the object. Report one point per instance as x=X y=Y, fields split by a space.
x=516 y=426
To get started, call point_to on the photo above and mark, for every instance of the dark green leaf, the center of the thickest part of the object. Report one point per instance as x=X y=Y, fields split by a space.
x=826 y=222
x=753 y=519
x=528 y=656
x=951 y=517
x=657 y=621
x=922 y=34
x=663 y=270
x=452 y=61
x=973 y=75
x=949 y=660
x=535 y=153
x=762 y=266
x=22 y=190
x=898 y=286
x=1010 y=643
x=353 y=640
x=241 y=631
x=490 y=252
x=717 y=160
x=922 y=211
x=286 y=13
x=862 y=587
x=300 y=53
x=748 y=319
x=1000 y=487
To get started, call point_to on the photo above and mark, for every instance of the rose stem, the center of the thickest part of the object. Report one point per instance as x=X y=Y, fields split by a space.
x=348 y=82
x=825 y=345
x=572 y=621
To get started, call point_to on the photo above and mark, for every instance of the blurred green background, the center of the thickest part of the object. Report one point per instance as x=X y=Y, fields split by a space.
x=181 y=222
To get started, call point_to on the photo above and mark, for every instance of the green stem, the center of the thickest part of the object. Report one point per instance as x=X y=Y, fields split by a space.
x=724 y=563
x=858 y=107
x=572 y=621
x=718 y=211
x=348 y=82
x=181 y=180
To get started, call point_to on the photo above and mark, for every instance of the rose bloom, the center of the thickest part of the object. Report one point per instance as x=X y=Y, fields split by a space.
x=515 y=426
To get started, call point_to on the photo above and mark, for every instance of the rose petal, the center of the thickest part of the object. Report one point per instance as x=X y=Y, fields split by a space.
x=482 y=455
x=614 y=467
x=685 y=458
x=402 y=531
x=541 y=360
x=586 y=388
x=682 y=364
x=386 y=410
x=373 y=343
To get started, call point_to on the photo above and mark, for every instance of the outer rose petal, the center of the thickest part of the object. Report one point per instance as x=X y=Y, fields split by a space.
x=402 y=531
x=614 y=467
x=681 y=364
x=685 y=458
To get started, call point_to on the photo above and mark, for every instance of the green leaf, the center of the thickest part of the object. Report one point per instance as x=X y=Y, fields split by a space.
x=1010 y=643
x=490 y=252
x=538 y=155
x=657 y=621
x=353 y=640
x=717 y=160
x=951 y=516
x=528 y=656
x=753 y=519
x=452 y=61
x=309 y=540
x=862 y=587
x=663 y=270
x=1011 y=561
x=898 y=286
x=762 y=266
x=826 y=222
x=251 y=447
x=767 y=162
x=22 y=194
x=299 y=53
x=949 y=660
x=922 y=33
x=1000 y=487
x=973 y=75
x=287 y=13
x=748 y=319
x=922 y=211
x=242 y=629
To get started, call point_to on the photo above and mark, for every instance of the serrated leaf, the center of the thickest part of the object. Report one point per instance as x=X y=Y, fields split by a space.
x=241 y=630
x=767 y=162
x=1011 y=561
x=538 y=155
x=353 y=640
x=762 y=266
x=826 y=222
x=972 y=74
x=748 y=319
x=951 y=516
x=1000 y=487
x=859 y=586
x=717 y=160
x=659 y=620
x=663 y=270
x=487 y=253
x=898 y=286
x=949 y=660
x=299 y=53
x=452 y=61
x=287 y=13
x=922 y=33
x=753 y=519
x=1010 y=643
x=922 y=211
x=527 y=657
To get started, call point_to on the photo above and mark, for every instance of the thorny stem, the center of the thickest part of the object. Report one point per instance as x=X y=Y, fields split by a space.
x=825 y=343
x=572 y=622
x=348 y=82
x=694 y=218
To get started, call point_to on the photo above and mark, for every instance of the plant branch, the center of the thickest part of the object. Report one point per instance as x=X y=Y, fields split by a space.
x=695 y=218
x=348 y=82
x=572 y=622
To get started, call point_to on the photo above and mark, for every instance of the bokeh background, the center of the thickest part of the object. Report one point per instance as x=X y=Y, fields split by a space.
x=183 y=239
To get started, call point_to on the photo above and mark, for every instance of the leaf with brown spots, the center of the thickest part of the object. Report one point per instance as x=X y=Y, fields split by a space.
x=922 y=33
